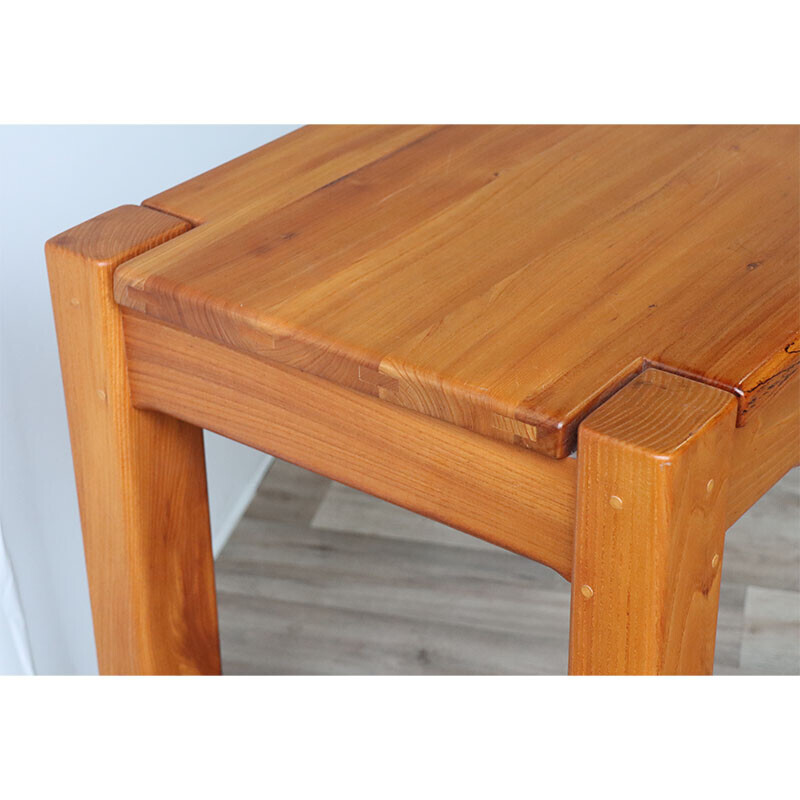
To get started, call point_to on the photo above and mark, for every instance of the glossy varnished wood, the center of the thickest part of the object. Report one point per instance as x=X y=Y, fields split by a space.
x=283 y=171
x=765 y=450
x=505 y=279
x=513 y=498
x=427 y=314
x=653 y=482
x=140 y=474
x=510 y=496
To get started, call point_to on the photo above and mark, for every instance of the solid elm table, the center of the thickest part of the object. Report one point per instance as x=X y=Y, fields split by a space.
x=440 y=316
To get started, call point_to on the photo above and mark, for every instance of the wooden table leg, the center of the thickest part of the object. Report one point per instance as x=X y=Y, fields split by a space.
x=140 y=475
x=653 y=466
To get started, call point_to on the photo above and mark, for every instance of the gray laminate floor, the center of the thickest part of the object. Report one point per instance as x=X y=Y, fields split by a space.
x=321 y=579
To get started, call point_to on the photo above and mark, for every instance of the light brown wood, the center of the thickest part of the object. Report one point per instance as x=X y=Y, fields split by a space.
x=284 y=170
x=427 y=314
x=653 y=479
x=517 y=499
x=765 y=449
x=140 y=475
x=407 y=457
x=505 y=279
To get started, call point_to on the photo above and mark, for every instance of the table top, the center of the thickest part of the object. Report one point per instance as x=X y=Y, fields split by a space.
x=505 y=279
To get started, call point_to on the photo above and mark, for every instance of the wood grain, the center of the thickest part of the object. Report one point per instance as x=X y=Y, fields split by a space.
x=283 y=171
x=320 y=578
x=426 y=314
x=517 y=499
x=765 y=449
x=653 y=481
x=506 y=279
x=140 y=474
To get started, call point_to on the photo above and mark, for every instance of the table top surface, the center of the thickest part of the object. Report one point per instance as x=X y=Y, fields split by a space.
x=505 y=279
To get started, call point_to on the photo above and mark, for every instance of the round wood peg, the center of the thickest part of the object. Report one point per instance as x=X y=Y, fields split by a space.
x=587 y=591
x=616 y=502
x=715 y=561
x=710 y=486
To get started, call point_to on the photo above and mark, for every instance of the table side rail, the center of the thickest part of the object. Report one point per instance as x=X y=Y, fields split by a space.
x=507 y=495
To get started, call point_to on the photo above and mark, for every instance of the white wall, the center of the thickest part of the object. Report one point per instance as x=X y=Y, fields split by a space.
x=52 y=178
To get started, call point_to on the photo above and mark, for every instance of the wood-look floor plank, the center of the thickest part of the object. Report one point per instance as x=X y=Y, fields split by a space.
x=765 y=550
x=279 y=544
x=771 y=636
x=295 y=638
x=446 y=591
x=292 y=496
x=321 y=579
x=344 y=509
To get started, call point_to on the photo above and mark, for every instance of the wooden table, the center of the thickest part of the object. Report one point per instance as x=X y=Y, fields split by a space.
x=440 y=316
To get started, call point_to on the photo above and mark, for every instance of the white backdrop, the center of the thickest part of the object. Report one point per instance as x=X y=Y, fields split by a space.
x=51 y=178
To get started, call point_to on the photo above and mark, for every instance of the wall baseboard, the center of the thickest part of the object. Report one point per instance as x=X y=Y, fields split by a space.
x=220 y=537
